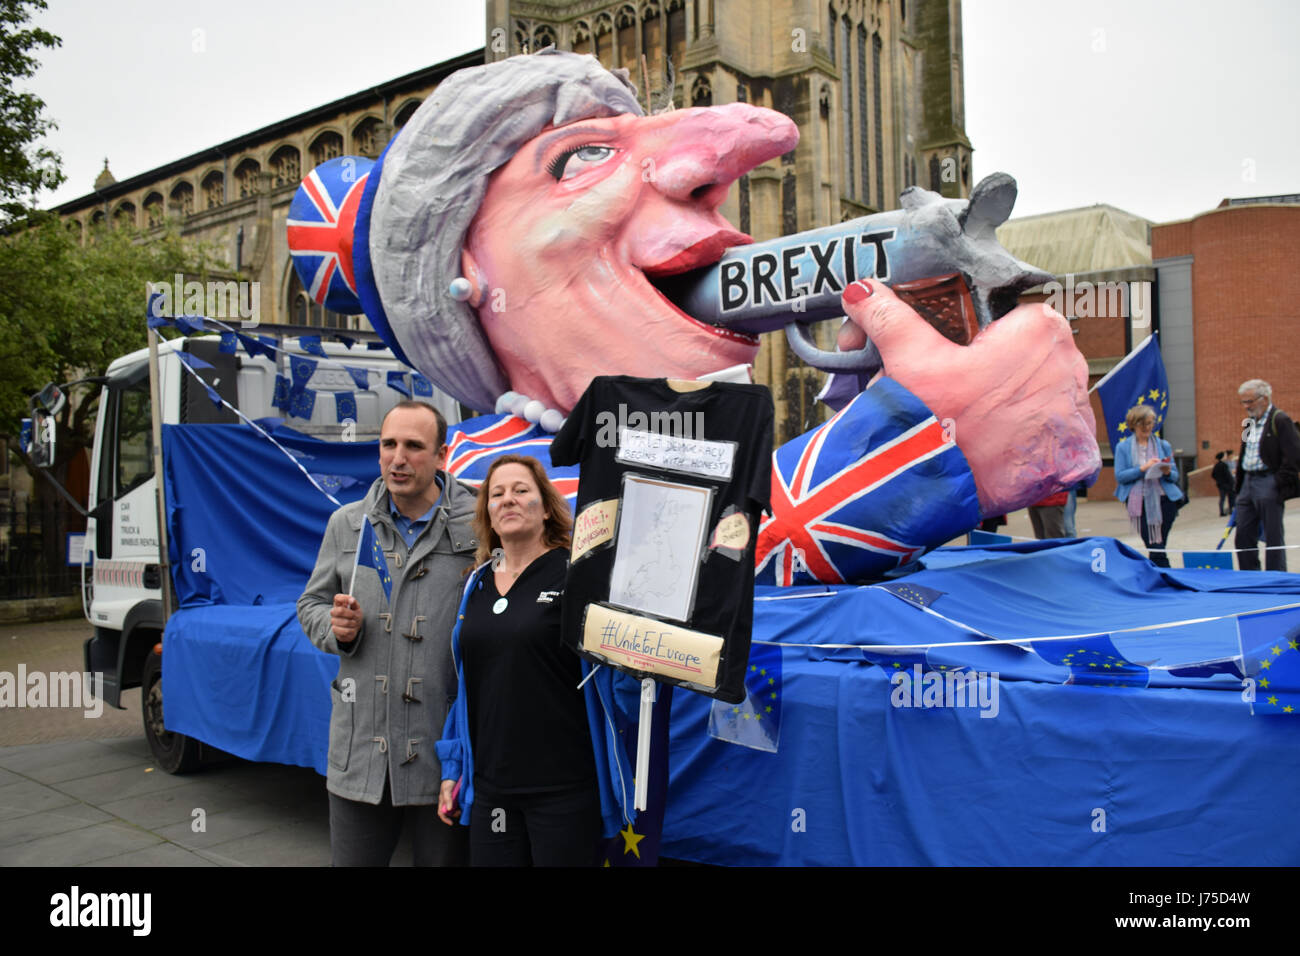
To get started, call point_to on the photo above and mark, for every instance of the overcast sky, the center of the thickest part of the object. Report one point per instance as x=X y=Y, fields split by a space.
x=1159 y=107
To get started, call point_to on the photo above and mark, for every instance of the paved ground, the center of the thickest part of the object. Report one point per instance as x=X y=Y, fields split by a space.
x=84 y=791
x=1198 y=526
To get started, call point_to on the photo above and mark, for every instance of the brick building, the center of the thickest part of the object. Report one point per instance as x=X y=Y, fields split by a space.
x=1219 y=288
x=1229 y=286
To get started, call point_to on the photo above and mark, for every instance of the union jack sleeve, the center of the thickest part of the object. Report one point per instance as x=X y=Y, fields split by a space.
x=867 y=492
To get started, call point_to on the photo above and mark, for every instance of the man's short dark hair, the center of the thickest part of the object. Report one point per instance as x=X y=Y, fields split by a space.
x=1219 y=457
x=414 y=403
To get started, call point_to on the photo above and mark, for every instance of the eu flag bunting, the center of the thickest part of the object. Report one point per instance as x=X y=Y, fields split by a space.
x=345 y=405
x=917 y=595
x=369 y=555
x=303 y=369
x=1270 y=645
x=281 y=398
x=421 y=386
x=1208 y=559
x=189 y=324
x=756 y=721
x=397 y=382
x=1137 y=380
x=311 y=345
x=1093 y=660
x=229 y=344
x=193 y=361
x=359 y=375
x=255 y=347
x=302 y=403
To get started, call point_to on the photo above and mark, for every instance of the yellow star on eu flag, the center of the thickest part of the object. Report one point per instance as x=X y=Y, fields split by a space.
x=630 y=839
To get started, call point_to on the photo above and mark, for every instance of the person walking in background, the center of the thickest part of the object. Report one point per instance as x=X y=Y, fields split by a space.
x=1223 y=480
x=1147 y=481
x=1270 y=460
x=1048 y=516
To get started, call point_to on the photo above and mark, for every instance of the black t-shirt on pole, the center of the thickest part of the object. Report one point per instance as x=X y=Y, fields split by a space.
x=696 y=460
x=527 y=719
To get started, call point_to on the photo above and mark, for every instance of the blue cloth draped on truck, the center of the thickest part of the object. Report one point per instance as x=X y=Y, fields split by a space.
x=1160 y=761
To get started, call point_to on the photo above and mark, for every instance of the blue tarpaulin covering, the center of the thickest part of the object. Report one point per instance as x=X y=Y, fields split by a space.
x=247 y=680
x=1127 y=742
x=1176 y=772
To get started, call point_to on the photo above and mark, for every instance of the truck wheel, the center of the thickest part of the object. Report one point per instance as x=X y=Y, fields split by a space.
x=175 y=753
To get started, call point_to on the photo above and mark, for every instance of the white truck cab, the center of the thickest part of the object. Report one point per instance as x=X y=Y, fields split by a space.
x=125 y=569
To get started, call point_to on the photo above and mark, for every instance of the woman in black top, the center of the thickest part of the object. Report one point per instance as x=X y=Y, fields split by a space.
x=535 y=800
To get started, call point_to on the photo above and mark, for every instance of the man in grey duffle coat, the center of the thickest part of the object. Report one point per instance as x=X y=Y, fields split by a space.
x=396 y=677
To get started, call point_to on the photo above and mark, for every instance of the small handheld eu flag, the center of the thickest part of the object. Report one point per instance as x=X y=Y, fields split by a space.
x=370 y=555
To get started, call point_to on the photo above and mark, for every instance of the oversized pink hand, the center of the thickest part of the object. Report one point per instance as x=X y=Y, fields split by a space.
x=1017 y=396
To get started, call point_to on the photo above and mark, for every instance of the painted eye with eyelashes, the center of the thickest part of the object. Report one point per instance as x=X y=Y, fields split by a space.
x=585 y=157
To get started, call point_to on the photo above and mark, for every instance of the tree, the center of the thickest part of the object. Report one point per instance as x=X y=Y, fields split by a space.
x=23 y=170
x=66 y=311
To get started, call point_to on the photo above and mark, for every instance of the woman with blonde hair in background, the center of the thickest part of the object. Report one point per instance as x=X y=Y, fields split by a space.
x=1147 y=481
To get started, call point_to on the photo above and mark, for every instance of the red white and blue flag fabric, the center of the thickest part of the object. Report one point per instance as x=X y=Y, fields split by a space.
x=473 y=444
x=860 y=495
x=320 y=230
x=884 y=454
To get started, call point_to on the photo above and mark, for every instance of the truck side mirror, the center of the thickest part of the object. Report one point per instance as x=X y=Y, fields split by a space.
x=43 y=431
x=45 y=405
x=50 y=400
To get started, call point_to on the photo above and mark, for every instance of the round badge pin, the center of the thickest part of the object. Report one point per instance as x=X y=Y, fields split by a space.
x=499 y=606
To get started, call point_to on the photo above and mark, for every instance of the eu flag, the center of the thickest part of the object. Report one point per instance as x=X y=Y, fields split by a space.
x=311 y=345
x=397 y=382
x=1137 y=380
x=756 y=721
x=359 y=375
x=281 y=399
x=1270 y=656
x=302 y=403
x=345 y=406
x=302 y=369
x=1093 y=660
x=369 y=555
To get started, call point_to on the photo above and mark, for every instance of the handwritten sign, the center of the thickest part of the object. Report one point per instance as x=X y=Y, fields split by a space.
x=694 y=456
x=594 y=526
x=646 y=646
x=732 y=532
